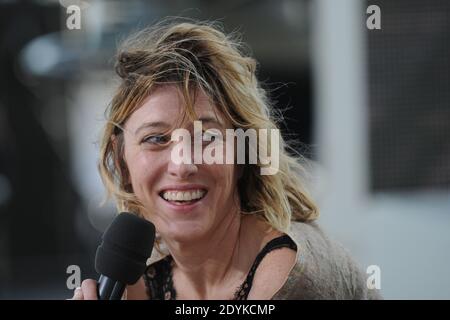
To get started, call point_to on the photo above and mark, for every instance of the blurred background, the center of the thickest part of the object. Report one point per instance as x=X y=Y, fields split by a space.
x=371 y=108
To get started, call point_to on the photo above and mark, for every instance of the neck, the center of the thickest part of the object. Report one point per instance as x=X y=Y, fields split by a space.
x=204 y=266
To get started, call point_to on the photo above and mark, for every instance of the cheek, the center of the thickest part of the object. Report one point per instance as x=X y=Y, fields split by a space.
x=225 y=178
x=136 y=166
x=143 y=169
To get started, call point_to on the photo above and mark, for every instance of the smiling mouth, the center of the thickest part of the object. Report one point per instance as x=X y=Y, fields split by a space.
x=183 y=197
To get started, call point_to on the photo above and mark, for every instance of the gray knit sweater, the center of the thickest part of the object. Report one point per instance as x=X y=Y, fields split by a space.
x=324 y=269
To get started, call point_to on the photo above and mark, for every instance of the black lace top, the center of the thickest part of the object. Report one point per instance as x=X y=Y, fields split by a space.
x=158 y=275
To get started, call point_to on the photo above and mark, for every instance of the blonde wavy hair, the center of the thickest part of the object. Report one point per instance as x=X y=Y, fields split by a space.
x=199 y=55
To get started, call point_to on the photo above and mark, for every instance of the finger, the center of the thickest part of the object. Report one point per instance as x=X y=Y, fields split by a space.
x=89 y=288
x=78 y=294
x=124 y=296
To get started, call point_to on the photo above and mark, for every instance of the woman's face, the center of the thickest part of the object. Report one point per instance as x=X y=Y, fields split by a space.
x=208 y=190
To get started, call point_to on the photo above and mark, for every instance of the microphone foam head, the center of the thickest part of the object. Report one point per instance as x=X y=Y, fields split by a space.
x=126 y=245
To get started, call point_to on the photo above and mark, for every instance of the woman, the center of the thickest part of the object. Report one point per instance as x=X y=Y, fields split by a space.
x=226 y=231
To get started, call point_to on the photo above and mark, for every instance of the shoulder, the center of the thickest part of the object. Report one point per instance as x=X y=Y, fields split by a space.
x=324 y=269
x=272 y=273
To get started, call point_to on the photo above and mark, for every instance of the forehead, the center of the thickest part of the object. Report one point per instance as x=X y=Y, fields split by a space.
x=166 y=104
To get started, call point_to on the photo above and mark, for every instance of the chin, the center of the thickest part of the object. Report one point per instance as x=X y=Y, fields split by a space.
x=185 y=231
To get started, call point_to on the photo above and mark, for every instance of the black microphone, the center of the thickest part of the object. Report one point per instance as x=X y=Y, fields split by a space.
x=121 y=257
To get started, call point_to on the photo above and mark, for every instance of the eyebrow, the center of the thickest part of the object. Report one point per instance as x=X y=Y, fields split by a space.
x=210 y=120
x=156 y=124
x=162 y=124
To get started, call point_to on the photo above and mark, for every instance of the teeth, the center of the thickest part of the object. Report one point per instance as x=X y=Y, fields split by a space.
x=183 y=195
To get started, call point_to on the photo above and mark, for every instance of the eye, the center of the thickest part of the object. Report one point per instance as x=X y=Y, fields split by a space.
x=210 y=135
x=156 y=139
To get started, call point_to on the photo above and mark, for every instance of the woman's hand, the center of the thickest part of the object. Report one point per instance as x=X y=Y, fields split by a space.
x=87 y=291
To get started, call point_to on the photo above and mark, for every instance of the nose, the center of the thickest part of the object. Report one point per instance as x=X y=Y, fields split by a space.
x=181 y=169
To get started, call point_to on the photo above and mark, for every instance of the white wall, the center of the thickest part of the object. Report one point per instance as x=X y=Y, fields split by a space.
x=406 y=234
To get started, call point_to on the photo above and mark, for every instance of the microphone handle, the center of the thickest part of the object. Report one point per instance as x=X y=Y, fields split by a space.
x=109 y=289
